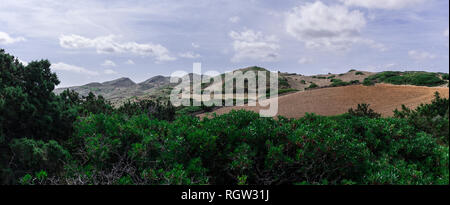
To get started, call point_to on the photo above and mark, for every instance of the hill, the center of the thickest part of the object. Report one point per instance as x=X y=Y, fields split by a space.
x=383 y=98
x=159 y=87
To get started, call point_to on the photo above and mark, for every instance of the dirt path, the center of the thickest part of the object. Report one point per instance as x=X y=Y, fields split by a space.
x=383 y=98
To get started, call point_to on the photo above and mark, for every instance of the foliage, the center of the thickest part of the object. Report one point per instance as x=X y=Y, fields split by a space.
x=405 y=78
x=28 y=106
x=368 y=82
x=338 y=83
x=432 y=118
x=160 y=110
x=283 y=82
x=363 y=110
x=313 y=85
x=289 y=90
x=242 y=148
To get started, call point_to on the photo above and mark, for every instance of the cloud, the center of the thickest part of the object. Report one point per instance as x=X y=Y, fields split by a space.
x=5 y=39
x=129 y=62
x=108 y=45
x=72 y=68
x=382 y=4
x=234 y=19
x=194 y=45
x=190 y=55
x=446 y=33
x=109 y=63
x=420 y=55
x=251 y=45
x=110 y=72
x=305 y=60
x=327 y=27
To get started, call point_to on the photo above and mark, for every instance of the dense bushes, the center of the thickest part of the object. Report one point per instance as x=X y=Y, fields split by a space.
x=432 y=118
x=405 y=78
x=34 y=121
x=312 y=86
x=240 y=147
x=28 y=106
x=445 y=76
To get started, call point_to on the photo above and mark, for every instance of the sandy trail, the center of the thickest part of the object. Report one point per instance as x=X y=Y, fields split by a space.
x=383 y=98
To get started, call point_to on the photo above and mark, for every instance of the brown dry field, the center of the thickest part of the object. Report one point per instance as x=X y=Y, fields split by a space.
x=383 y=98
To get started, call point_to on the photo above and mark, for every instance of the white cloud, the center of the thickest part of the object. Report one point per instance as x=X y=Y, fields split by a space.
x=305 y=60
x=109 y=63
x=194 y=45
x=190 y=55
x=129 y=62
x=251 y=45
x=421 y=55
x=110 y=72
x=5 y=38
x=446 y=33
x=382 y=4
x=327 y=27
x=108 y=44
x=71 y=68
x=234 y=19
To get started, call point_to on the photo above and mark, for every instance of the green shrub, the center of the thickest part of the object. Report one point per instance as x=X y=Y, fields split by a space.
x=283 y=91
x=359 y=73
x=406 y=78
x=338 y=83
x=283 y=82
x=31 y=156
x=363 y=110
x=313 y=85
x=445 y=76
x=368 y=82
x=159 y=110
x=432 y=118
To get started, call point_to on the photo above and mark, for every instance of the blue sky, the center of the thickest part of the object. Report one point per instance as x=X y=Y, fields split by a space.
x=96 y=41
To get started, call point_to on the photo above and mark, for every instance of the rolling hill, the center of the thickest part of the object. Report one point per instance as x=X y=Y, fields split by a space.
x=159 y=87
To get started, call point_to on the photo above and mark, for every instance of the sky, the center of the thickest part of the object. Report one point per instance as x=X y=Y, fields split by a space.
x=97 y=41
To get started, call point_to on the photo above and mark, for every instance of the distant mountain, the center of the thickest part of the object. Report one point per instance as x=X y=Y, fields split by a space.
x=122 y=89
x=121 y=82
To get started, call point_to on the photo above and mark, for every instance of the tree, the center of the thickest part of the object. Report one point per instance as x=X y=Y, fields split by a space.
x=29 y=108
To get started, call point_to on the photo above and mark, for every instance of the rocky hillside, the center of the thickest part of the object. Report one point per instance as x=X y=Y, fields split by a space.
x=122 y=89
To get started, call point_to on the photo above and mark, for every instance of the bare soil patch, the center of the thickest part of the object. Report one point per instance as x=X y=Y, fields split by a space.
x=383 y=98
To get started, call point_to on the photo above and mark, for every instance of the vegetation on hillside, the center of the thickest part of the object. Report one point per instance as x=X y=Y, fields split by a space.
x=405 y=78
x=68 y=139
